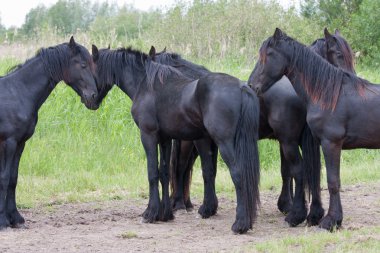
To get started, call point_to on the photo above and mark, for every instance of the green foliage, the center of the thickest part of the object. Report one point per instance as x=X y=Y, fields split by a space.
x=220 y=29
x=358 y=19
x=365 y=32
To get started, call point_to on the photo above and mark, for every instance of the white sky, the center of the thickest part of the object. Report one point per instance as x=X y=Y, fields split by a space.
x=12 y=12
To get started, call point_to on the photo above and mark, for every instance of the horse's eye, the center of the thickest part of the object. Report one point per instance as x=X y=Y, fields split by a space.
x=83 y=65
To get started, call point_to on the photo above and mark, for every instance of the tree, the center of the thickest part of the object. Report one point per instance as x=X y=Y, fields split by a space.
x=34 y=19
x=365 y=32
x=330 y=12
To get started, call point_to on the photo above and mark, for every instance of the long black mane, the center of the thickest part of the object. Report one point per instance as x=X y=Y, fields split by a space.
x=112 y=64
x=175 y=60
x=319 y=47
x=56 y=61
x=321 y=80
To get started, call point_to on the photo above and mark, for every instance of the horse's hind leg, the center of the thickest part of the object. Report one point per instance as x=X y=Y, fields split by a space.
x=285 y=200
x=292 y=156
x=13 y=215
x=180 y=173
x=7 y=153
x=207 y=151
x=243 y=222
x=334 y=217
x=187 y=179
x=166 y=208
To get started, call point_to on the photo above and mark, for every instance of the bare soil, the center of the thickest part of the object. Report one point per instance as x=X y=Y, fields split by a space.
x=115 y=226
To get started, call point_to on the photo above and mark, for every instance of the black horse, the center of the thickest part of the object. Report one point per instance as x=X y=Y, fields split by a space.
x=216 y=110
x=338 y=102
x=22 y=92
x=282 y=117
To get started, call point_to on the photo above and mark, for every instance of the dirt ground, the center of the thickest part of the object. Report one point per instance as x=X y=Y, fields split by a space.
x=115 y=226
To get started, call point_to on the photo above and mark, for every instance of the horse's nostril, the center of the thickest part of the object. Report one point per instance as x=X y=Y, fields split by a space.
x=93 y=95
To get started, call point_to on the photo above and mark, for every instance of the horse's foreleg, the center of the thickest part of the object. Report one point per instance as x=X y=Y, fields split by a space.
x=293 y=158
x=166 y=208
x=7 y=153
x=149 y=141
x=334 y=217
x=13 y=215
x=285 y=200
x=207 y=150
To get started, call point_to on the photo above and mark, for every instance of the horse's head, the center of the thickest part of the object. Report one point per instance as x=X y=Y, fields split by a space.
x=339 y=53
x=104 y=84
x=272 y=63
x=80 y=74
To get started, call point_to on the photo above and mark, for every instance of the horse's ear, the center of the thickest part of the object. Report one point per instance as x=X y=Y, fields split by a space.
x=152 y=52
x=164 y=51
x=337 y=32
x=109 y=46
x=73 y=45
x=95 y=53
x=327 y=33
x=278 y=34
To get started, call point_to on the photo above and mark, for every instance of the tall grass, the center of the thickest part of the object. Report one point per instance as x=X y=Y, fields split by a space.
x=81 y=155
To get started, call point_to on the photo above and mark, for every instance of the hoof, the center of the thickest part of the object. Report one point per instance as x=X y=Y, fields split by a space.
x=294 y=218
x=285 y=206
x=178 y=205
x=4 y=223
x=16 y=220
x=315 y=216
x=166 y=212
x=150 y=215
x=207 y=211
x=189 y=206
x=330 y=224
x=20 y=226
x=241 y=226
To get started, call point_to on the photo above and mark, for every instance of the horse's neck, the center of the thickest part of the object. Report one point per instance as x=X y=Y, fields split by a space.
x=130 y=83
x=295 y=79
x=34 y=81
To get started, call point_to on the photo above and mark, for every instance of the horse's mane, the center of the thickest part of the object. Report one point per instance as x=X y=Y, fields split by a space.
x=112 y=63
x=321 y=80
x=319 y=47
x=155 y=70
x=176 y=61
x=56 y=61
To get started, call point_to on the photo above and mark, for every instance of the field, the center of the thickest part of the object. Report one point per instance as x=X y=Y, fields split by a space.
x=83 y=177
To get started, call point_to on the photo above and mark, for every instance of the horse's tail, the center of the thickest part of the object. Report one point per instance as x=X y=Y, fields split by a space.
x=311 y=162
x=247 y=155
x=174 y=159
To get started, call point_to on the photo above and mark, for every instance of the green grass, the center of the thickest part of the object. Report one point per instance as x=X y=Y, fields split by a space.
x=362 y=240
x=82 y=155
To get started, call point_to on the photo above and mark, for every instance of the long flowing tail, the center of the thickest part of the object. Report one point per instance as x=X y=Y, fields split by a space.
x=247 y=155
x=311 y=162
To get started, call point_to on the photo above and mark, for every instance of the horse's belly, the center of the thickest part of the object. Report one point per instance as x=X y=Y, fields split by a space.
x=183 y=131
x=362 y=139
